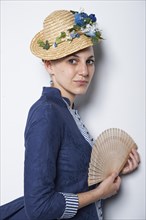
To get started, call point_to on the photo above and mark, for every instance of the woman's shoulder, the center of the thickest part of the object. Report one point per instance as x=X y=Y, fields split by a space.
x=41 y=107
x=47 y=107
x=45 y=113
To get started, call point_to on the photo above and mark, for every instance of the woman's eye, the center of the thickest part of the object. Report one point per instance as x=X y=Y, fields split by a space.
x=90 y=62
x=72 y=61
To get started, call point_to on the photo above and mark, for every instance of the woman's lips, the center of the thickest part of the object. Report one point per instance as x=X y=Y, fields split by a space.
x=81 y=82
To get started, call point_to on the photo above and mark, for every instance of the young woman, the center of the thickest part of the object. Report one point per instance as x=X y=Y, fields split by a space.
x=57 y=143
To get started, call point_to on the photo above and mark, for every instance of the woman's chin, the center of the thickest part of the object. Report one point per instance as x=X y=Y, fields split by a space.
x=81 y=91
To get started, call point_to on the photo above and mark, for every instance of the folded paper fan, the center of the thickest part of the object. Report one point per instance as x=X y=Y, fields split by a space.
x=109 y=154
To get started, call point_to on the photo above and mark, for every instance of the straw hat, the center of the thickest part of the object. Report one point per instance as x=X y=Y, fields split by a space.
x=55 y=41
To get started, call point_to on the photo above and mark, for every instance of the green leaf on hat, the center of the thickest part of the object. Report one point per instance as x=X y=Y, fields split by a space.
x=62 y=35
x=58 y=40
x=41 y=43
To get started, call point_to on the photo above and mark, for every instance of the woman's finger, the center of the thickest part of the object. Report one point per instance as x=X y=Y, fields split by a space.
x=136 y=155
x=134 y=162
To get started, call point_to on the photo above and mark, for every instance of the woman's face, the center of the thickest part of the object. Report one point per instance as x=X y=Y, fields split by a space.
x=72 y=75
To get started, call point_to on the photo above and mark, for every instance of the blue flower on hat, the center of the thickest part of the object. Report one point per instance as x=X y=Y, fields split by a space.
x=80 y=18
x=55 y=45
x=87 y=25
x=92 y=17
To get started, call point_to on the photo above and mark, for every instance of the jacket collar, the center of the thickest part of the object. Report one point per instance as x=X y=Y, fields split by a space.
x=52 y=93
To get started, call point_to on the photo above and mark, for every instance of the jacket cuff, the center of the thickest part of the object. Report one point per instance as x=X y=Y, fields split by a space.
x=72 y=204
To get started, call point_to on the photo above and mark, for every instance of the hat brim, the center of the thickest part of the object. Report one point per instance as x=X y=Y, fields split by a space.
x=62 y=50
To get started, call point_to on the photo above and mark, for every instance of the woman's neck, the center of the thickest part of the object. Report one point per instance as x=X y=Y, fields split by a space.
x=67 y=95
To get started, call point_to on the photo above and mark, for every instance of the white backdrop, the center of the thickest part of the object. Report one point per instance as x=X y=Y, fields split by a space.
x=115 y=99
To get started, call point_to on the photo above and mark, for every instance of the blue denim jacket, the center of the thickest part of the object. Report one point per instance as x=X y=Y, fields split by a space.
x=56 y=160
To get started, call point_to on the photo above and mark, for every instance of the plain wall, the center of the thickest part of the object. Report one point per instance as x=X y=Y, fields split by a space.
x=116 y=97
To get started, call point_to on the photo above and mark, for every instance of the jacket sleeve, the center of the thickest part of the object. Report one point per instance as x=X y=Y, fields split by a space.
x=42 y=143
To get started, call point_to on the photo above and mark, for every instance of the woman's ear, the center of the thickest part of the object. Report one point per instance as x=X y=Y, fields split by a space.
x=48 y=66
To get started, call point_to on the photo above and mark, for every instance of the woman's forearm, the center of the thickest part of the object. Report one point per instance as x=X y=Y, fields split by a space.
x=89 y=197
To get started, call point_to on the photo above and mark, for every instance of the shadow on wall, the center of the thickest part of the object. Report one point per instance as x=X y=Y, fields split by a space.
x=87 y=99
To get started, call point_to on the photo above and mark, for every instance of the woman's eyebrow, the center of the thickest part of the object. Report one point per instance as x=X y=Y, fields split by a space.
x=75 y=55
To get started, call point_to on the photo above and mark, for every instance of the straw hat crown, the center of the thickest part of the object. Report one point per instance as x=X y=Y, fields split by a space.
x=59 y=37
x=57 y=22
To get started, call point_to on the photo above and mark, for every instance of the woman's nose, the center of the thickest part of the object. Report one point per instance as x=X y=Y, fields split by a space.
x=83 y=70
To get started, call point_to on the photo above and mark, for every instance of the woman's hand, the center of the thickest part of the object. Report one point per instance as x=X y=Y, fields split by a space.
x=109 y=186
x=105 y=189
x=132 y=163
